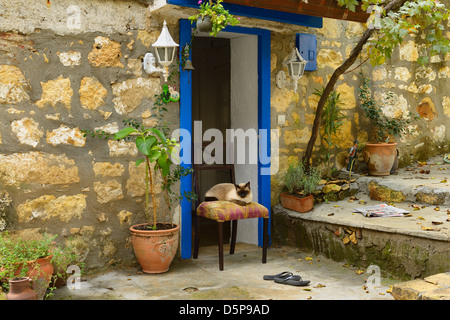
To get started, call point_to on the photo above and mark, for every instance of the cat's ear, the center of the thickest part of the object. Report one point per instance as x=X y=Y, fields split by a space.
x=248 y=184
x=236 y=186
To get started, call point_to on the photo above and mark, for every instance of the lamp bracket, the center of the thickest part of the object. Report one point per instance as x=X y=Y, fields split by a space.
x=149 y=64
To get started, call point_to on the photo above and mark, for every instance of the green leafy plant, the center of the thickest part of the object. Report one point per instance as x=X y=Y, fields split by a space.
x=384 y=127
x=391 y=22
x=159 y=154
x=16 y=251
x=220 y=17
x=332 y=121
x=299 y=181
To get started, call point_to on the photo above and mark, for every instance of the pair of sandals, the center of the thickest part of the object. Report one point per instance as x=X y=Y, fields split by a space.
x=288 y=278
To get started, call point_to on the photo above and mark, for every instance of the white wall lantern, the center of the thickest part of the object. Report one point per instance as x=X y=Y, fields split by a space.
x=165 y=49
x=296 y=66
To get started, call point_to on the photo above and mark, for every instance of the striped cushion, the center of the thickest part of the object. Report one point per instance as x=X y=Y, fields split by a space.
x=226 y=210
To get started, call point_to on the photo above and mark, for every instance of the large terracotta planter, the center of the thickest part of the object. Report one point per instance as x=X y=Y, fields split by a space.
x=298 y=204
x=380 y=157
x=155 y=249
x=40 y=272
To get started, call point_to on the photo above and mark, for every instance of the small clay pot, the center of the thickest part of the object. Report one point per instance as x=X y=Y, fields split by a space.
x=20 y=289
x=204 y=24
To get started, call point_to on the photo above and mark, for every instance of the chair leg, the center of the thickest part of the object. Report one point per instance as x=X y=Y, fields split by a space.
x=196 y=236
x=234 y=224
x=220 y=235
x=265 y=239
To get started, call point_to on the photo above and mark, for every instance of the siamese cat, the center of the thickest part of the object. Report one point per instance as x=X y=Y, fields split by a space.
x=238 y=193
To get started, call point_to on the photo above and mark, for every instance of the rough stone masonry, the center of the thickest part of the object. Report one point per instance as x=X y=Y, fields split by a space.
x=69 y=65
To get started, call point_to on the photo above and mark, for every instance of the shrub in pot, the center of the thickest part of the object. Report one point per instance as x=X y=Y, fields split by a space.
x=212 y=17
x=380 y=154
x=40 y=260
x=300 y=185
x=155 y=243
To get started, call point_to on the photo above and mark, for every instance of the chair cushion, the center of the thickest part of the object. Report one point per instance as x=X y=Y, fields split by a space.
x=226 y=210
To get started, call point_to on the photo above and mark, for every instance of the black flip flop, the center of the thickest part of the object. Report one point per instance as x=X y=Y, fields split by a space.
x=293 y=280
x=281 y=275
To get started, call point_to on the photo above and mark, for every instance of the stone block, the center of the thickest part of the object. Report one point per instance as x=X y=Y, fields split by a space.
x=439 y=294
x=430 y=198
x=413 y=290
x=383 y=193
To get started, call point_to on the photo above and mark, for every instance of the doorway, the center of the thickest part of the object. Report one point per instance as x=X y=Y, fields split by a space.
x=240 y=74
x=225 y=96
x=211 y=107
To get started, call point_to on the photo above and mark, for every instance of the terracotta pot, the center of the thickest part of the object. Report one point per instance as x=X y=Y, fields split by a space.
x=155 y=249
x=40 y=272
x=204 y=24
x=20 y=289
x=380 y=157
x=298 y=204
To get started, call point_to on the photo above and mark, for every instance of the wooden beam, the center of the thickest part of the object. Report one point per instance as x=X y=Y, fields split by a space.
x=322 y=8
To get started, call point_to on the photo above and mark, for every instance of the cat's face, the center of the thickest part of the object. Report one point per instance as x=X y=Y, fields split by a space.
x=243 y=189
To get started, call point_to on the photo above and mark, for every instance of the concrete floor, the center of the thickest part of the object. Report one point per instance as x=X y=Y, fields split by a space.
x=242 y=279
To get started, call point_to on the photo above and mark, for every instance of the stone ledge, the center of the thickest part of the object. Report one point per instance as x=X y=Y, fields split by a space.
x=436 y=287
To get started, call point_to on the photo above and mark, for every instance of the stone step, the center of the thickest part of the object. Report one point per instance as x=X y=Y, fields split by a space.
x=425 y=182
x=436 y=287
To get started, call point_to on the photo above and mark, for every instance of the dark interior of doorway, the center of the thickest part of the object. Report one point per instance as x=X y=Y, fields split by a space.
x=211 y=104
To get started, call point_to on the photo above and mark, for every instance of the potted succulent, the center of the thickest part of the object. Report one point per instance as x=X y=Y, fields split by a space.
x=300 y=186
x=38 y=260
x=380 y=154
x=212 y=17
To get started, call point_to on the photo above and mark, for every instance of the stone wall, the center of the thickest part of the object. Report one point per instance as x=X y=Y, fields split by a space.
x=414 y=88
x=60 y=73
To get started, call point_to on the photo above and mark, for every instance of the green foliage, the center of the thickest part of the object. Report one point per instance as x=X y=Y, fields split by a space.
x=385 y=126
x=293 y=177
x=421 y=17
x=297 y=179
x=220 y=17
x=332 y=121
x=15 y=252
x=160 y=156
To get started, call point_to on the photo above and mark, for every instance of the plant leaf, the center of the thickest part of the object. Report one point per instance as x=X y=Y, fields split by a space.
x=145 y=144
x=123 y=133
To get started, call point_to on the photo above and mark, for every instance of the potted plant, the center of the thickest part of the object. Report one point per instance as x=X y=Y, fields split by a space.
x=155 y=243
x=212 y=17
x=38 y=260
x=300 y=186
x=381 y=152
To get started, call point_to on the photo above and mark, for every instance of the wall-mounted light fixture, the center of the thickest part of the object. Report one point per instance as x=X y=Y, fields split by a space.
x=296 y=66
x=165 y=49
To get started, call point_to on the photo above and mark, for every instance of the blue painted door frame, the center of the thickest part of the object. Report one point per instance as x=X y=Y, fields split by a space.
x=264 y=190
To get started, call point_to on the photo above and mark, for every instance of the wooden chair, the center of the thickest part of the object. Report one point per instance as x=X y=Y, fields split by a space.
x=222 y=211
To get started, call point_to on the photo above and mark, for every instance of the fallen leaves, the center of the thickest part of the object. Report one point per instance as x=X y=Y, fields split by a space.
x=430 y=229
